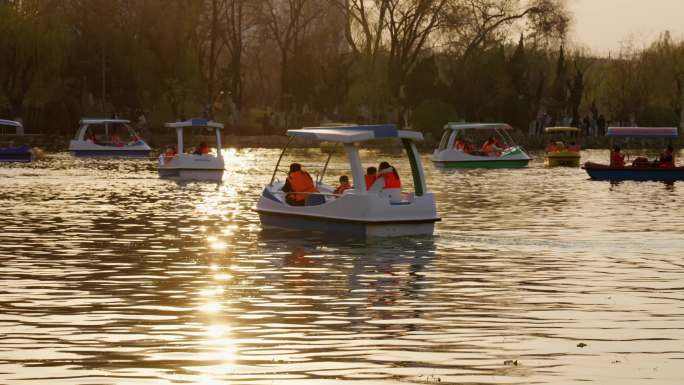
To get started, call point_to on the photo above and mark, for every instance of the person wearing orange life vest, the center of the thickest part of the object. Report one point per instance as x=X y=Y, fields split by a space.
x=489 y=147
x=371 y=176
x=298 y=181
x=390 y=175
x=169 y=154
x=617 y=159
x=202 y=149
x=344 y=185
x=666 y=159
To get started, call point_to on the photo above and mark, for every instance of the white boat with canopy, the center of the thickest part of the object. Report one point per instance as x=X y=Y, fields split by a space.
x=108 y=138
x=453 y=150
x=359 y=211
x=12 y=153
x=198 y=165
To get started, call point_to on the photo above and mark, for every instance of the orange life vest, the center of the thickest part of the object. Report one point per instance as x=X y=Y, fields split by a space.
x=487 y=147
x=391 y=180
x=169 y=155
x=617 y=159
x=370 y=179
x=342 y=188
x=300 y=181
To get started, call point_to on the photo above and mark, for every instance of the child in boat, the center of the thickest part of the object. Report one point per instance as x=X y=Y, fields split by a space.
x=371 y=176
x=298 y=181
x=617 y=158
x=169 y=153
x=390 y=175
x=666 y=159
x=344 y=185
x=202 y=149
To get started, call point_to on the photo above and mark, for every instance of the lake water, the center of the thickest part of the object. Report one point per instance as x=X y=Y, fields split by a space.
x=109 y=275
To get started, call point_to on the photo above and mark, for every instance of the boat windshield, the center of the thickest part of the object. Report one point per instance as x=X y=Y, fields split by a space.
x=445 y=139
x=110 y=134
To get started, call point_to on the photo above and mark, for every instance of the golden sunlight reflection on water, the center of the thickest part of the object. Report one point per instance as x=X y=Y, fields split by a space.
x=110 y=275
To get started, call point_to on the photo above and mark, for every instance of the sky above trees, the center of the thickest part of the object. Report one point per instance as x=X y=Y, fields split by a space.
x=604 y=26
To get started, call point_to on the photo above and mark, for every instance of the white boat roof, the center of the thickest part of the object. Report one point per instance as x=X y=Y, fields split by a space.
x=195 y=122
x=477 y=126
x=354 y=133
x=104 y=121
x=12 y=123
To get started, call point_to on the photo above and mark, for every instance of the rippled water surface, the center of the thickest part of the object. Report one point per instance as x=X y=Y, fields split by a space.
x=109 y=275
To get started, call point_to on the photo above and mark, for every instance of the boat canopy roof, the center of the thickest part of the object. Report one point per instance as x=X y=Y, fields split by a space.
x=353 y=133
x=561 y=129
x=477 y=126
x=642 y=132
x=104 y=121
x=195 y=122
x=11 y=123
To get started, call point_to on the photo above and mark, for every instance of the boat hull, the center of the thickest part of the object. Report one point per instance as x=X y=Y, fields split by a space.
x=270 y=220
x=191 y=174
x=562 y=159
x=21 y=154
x=111 y=153
x=503 y=163
x=514 y=157
x=606 y=173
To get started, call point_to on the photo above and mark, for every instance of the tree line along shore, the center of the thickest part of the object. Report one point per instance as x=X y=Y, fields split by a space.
x=263 y=66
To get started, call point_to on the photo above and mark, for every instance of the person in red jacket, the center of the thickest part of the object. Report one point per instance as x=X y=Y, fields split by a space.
x=666 y=159
x=390 y=175
x=344 y=185
x=371 y=176
x=617 y=158
x=298 y=181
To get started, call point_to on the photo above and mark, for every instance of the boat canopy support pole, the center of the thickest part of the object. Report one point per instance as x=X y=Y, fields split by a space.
x=325 y=168
x=356 y=168
x=275 y=170
x=416 y=166
x=179 y=135
x=218 y=142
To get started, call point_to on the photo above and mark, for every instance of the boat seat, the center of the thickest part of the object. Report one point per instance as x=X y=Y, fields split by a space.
x=315 y=200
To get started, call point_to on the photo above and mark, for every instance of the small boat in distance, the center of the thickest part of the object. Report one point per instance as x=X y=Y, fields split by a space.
x=641 y=169
x=108 y=138
x=451 y=152
x=562 y=153
x=360 y=211
x=200 y=165
x=18 y=154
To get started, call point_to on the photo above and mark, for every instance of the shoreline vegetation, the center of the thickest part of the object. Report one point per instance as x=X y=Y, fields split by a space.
x=261 y=66
x=57 y=143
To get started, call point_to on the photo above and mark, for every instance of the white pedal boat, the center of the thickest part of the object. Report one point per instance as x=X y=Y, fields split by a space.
x=85 y=144
x=206 y=167
x=512 y=156
x=356 y=212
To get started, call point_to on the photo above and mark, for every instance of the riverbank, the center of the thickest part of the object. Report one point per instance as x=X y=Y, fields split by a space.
x=157 y=141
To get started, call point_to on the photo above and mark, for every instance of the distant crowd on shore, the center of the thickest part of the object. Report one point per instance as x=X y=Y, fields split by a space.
x=593 y=124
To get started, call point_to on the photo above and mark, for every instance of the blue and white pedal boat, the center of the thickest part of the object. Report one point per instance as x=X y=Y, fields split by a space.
x=193 y=167
x=84 y=145
x=356 y=212
x=18 y=154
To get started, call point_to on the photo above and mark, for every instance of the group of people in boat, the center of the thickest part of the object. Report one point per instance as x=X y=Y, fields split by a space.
x=114 y=139
x=491 y=147
x=171 y=151
x=299 y=185
x=665 y=160
x=559 y=146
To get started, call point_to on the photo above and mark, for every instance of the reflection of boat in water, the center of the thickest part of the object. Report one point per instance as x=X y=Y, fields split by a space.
x=195 y=166
x=638 y=171
x=86 y=143
x=559 y=153
x=19 y=154
x=357 y=211
x=447 y=155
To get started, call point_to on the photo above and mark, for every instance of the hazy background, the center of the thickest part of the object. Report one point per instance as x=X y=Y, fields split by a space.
x=605 y=25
